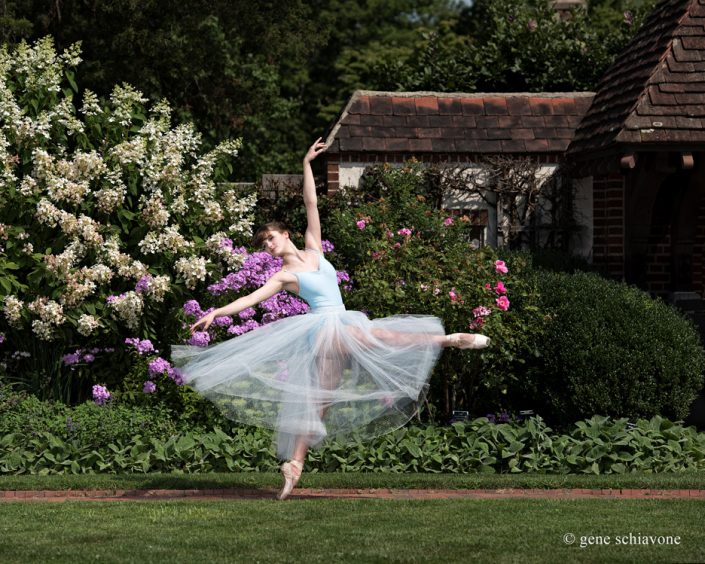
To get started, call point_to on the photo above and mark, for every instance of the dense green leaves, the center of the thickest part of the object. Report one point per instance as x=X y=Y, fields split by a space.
x=276 y=74
x=612 y=349
x=595 y=446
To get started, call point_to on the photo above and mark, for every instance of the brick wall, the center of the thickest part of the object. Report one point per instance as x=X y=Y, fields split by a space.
x=659 y=264
x=608 y=213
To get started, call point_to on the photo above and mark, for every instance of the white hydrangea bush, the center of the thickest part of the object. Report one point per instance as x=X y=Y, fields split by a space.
x=107 y=210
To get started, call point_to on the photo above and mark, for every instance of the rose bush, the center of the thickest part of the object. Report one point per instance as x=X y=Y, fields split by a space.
x=109 y=217
x=405 y=256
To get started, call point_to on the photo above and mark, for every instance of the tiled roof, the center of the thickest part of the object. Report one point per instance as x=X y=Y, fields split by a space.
x=420 y=122
x=655 y=90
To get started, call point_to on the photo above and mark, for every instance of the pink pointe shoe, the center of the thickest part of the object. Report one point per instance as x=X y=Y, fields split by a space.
x=468 y=341
x=292 y=472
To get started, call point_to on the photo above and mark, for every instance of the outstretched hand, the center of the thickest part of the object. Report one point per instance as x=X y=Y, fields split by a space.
x=205 y=321
x=316 y=149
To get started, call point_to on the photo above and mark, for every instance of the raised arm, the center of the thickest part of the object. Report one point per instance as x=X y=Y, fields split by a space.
x=313 y=228
x=273 y=285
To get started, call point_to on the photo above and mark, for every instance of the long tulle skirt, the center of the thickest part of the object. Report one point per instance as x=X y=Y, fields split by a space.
x=320 y=374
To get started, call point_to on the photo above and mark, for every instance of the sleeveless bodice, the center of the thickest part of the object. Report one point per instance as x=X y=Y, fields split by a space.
x=320 y=287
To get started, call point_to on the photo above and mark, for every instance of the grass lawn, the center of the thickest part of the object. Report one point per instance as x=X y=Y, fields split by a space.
x=685 y=480
x=516 y=530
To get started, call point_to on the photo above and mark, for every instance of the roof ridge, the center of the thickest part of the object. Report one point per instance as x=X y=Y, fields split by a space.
x=419 y=93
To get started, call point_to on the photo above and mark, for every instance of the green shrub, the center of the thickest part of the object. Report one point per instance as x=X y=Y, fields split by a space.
x=611 y=349
x=88 y=424
x=597 y=446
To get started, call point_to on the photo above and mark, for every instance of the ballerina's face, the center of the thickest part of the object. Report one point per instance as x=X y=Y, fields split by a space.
x=275 y=242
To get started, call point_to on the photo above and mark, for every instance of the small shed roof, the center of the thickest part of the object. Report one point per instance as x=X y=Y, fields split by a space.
x=420 y=122
x=654 y=93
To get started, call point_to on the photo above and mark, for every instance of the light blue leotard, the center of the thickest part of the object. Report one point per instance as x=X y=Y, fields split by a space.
x=320 y=287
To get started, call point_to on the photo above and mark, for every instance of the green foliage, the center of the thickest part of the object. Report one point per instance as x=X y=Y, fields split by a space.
x=611 y=349
x=505 y=45
x=87 y=424
x=597 y=446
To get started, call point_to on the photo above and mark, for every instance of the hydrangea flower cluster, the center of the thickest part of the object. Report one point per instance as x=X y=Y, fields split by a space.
x=156 y=178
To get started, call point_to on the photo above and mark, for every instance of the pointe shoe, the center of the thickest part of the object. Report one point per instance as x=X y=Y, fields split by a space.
x=462 y=340
x=292 y=472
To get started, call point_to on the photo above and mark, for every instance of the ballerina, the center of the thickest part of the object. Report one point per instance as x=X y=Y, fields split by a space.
x=324 y=373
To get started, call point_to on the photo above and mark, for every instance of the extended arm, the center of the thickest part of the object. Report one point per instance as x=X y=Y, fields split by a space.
x=313 y=228
x=274 y=284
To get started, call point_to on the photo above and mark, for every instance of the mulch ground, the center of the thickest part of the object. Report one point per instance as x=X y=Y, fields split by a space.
x=303 y=493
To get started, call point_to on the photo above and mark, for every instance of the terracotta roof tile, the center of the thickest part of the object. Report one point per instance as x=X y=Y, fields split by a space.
x=410 y=122
x=655 y=90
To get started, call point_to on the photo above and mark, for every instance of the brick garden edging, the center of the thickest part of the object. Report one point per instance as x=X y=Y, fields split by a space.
x=321 y=493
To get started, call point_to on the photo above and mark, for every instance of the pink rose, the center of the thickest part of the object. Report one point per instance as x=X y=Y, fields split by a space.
x=361 y=224
x=404 y=231
x=453 y=296
x=500 y=267
x=448 y=221
x=503 y=303
x=500 y=288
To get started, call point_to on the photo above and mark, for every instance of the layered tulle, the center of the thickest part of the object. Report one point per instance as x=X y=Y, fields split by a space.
x=361 y=374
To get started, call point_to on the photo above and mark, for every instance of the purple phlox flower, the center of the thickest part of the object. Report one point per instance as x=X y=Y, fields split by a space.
x=100 y=394
x=283 y=304
x=113 y=298
x=158 y=366
x=504 y=417
x=200 y=339
x=149 y=387
x=491 y=417
x=247 y=313
x=268 y=318
x=235 y=330
x=256 y=269
x=343 y=276
x=223 y=321
x=143 y=284
x=327 y=246
x=143 y=347
x=88 y=357
x=193 y=308
x=226 y=243
x=176 y=375
x=72 y=358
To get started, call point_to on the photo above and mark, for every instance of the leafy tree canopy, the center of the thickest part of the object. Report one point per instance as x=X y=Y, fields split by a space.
x=277 y=73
